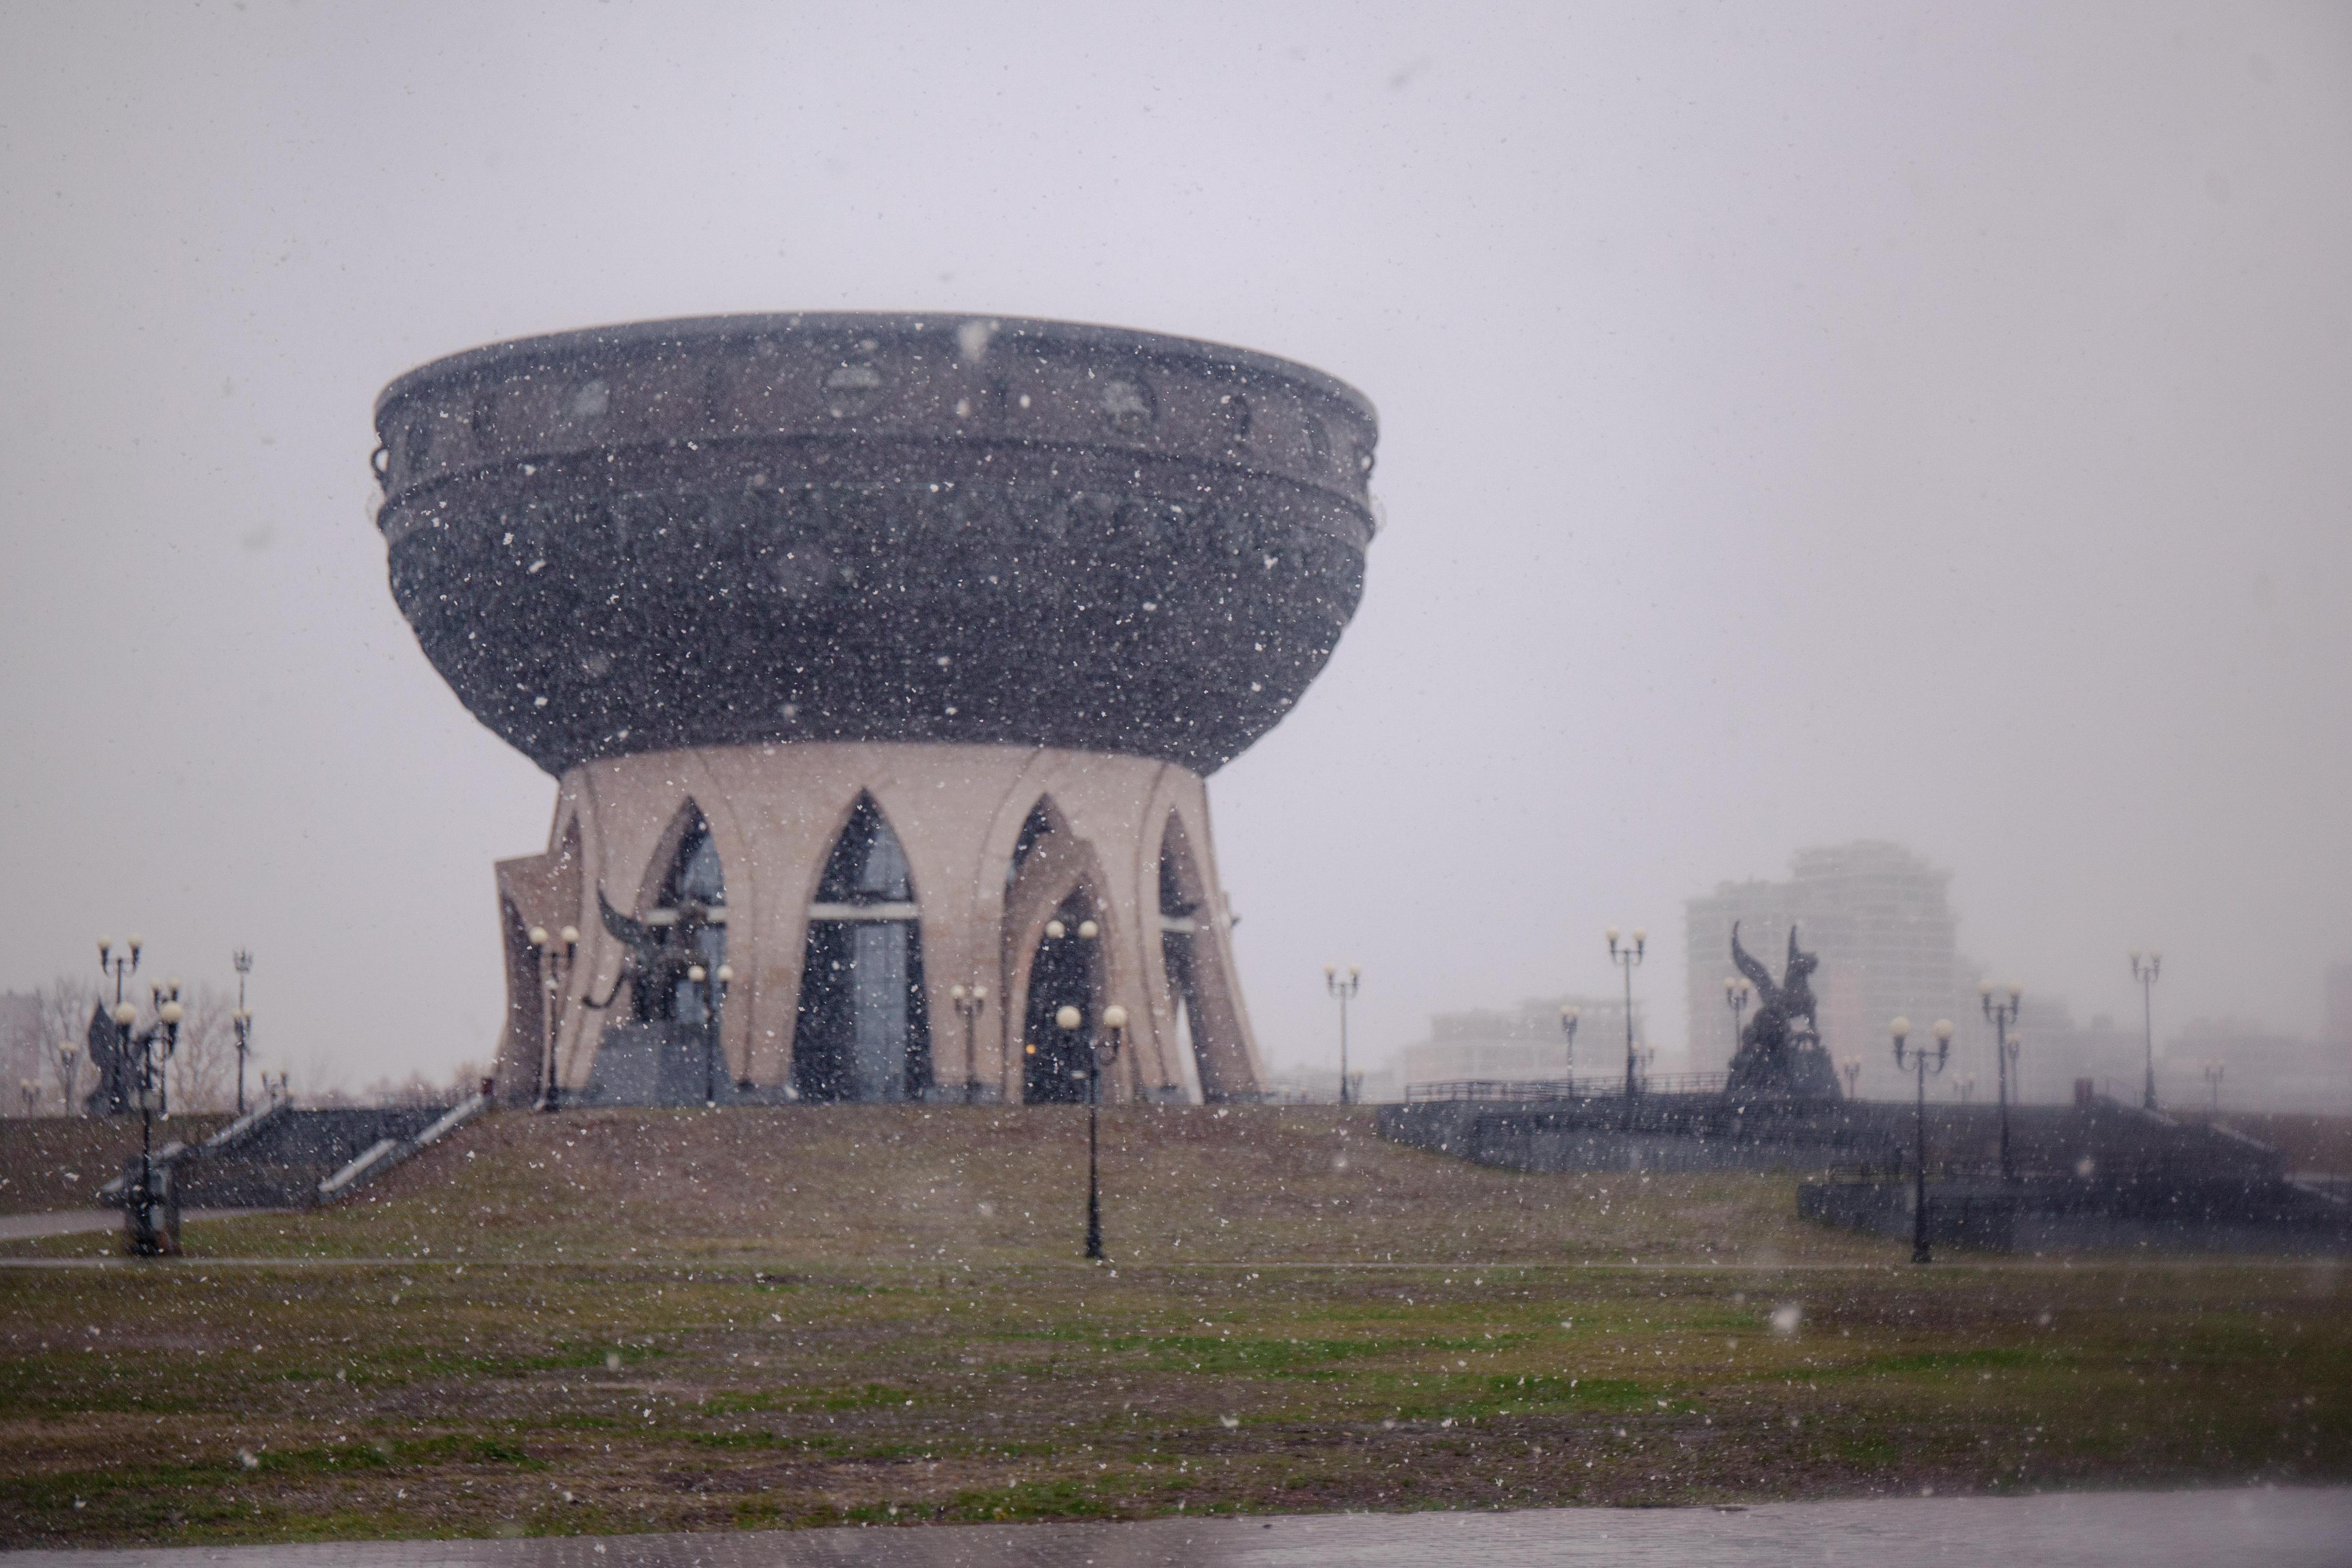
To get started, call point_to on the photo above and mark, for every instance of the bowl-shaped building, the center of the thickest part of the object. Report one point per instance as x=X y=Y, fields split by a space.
x=878 y=659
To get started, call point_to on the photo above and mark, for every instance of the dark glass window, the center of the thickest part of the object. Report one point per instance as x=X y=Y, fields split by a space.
x=864 y=1031
x=1054 y=1060
x=1033 y=828
x=695 y=877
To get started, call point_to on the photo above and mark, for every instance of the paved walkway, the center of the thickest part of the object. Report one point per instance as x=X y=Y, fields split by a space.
x=718 y=1267
x=2290 y=1528
x=76 y=1222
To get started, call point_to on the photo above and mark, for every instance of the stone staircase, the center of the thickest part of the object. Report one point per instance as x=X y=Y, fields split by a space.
x=281 y=1156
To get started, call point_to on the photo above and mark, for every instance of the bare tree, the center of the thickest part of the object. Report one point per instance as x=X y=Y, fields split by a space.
x=65 y=1005
x=202 y=1070
x=21 y=1051
x=417 y=1090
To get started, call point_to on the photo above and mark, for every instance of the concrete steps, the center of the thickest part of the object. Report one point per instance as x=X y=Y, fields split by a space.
x=284 y=1157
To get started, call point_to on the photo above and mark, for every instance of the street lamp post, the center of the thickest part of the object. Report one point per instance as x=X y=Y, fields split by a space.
x=2002 y=1014
x=1345 y=990
x=121 y=966
x=2213 y=1081
x=1114 y=1021
x=70 y=1060
x=554 y=969
x=243 y=1020
x=2145 y=968
x=714 y=983
x=145 y=1240
x=1735 y=996
x=1902 y=1028
x=1628 y=958
x=1567 y=1018
x=1853 y=1066
x=969 y=1004
x=31 y=1091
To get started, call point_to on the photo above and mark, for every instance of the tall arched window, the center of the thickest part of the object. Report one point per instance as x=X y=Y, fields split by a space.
x=1064 y=972
x=1179 y=910
x=695 y=878
x=864 y=1033
x=1033 y=828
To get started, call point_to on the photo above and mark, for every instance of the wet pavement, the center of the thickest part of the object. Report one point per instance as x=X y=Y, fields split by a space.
x=2289 y=1527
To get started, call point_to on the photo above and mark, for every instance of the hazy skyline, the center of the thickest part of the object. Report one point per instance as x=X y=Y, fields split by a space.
x=1849 y=421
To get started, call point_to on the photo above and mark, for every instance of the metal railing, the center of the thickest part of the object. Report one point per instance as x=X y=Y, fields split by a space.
x=1520 y=1090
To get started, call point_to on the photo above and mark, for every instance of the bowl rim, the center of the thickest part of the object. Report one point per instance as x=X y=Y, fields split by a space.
x=625 y=337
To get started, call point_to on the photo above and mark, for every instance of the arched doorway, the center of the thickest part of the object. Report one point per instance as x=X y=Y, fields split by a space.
x=862 y=1031
x=1064 y=974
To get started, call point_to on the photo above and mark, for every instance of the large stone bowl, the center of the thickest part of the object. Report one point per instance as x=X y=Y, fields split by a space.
x=758 y=528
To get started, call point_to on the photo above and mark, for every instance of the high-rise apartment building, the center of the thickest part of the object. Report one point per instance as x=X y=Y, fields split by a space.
x=1878 y=916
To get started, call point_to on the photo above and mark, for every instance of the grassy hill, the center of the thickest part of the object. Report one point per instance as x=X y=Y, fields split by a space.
x=58 y=1161
x=1007 y=1185
x=655 y=1319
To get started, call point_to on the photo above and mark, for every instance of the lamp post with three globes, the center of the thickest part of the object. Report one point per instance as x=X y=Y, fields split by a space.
x=714 y=983
x=154 y=1047
x=1345 y=990
x=2002 y=1015
x=555 y=968
x=1735 y=996
x=2145 y=969
x=1628 y=958
x=1102 y=1048
x=1902 y=1030
x=969 y=1004
x=242 y=1019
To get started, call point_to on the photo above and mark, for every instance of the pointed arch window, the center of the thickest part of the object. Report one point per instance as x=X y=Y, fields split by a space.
x=864 y=1032
x=1064 y=972
x=1179 y=906
x=693 y=898
x=1034 y=827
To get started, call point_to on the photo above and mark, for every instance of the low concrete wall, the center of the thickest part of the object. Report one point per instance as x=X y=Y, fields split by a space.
x=1667 y=1135
x=2037 y=1217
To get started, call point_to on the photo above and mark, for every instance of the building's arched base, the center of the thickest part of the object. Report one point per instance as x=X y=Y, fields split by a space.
x=898 y=921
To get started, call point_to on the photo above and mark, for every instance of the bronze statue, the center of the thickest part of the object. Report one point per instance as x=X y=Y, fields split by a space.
x=1778 y=1058
x=657 y=953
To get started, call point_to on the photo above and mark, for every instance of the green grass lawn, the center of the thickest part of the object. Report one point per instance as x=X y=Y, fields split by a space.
x=647 y=1319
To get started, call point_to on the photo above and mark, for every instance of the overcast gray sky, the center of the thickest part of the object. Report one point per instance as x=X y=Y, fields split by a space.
x=1800 y=423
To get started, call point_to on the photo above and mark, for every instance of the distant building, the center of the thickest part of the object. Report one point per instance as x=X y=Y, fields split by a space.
x=1375 y=1082
x=2055 y=1052
x=1525 y=1045
x=2260 y=1069
x=1878 y=916
x=2336 y=1008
